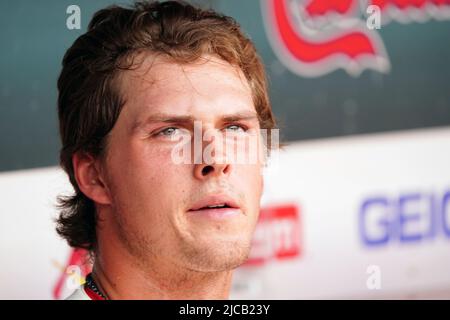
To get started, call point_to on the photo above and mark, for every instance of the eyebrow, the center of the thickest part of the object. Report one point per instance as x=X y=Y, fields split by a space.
x=172 y=118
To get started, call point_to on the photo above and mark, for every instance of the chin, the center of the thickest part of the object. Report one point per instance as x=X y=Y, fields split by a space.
x=218 y=256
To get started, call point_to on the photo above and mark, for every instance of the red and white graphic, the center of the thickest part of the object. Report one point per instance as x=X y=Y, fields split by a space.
x=406 y=11
x=277 y=235
x=78 y=258
x=316 y=37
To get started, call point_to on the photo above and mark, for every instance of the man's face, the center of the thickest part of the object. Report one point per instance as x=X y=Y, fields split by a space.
x=153 y=196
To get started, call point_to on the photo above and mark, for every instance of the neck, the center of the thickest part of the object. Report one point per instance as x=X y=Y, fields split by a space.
x=120 y=275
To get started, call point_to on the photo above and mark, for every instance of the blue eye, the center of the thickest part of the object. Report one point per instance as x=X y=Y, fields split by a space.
x=168 y=131
x=235 y=127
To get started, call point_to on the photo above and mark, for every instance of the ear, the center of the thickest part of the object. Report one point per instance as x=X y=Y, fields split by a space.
x=89 y=178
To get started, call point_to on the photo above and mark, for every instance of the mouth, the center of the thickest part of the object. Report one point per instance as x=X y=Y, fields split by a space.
x=216 y=206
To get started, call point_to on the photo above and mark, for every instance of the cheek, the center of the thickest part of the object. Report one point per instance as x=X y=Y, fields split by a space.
x=142 y=172
x=251 y=181
x=155 y=172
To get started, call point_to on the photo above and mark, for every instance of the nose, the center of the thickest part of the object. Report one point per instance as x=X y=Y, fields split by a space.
x=210 y=166
x=204 y=171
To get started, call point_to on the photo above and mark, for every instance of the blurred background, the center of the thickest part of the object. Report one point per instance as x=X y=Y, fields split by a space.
x=356 y=206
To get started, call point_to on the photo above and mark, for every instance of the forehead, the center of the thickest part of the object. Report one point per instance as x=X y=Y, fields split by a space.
x=208 y=84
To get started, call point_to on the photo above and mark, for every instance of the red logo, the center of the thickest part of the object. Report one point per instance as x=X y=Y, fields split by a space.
x=277 y=235
x=316 y=37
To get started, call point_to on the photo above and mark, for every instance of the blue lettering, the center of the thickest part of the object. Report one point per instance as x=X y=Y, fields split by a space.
x=383 y=205
x=405 y=217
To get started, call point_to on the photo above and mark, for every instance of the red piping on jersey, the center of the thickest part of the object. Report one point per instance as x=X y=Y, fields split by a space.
x=92 y=294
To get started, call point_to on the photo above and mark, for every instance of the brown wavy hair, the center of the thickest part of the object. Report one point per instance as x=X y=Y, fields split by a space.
x=89 y=100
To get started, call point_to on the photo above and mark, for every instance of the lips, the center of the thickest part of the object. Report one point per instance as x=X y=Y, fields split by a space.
x=216 y=202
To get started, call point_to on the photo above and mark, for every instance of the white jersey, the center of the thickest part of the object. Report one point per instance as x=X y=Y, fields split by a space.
x=88 y=291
